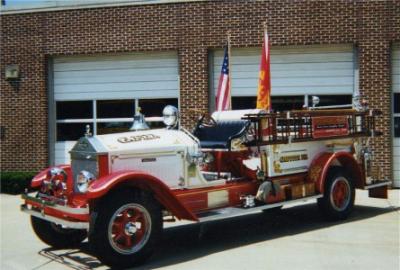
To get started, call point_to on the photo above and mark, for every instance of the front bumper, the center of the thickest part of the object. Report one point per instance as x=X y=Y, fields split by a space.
x=51 y=210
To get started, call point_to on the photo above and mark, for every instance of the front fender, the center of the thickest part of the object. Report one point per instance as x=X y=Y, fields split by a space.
x=41 y=176
x=144 y=181
x=320 y=166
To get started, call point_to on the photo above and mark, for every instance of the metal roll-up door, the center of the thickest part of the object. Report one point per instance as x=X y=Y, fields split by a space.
x=104 y=92
x=396 y=114
x=295 y=71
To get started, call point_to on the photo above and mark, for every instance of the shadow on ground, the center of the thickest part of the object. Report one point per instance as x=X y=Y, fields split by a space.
x=188 y=242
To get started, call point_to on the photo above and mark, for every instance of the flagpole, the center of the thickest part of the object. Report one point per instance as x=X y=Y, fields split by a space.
x=265 y=33
x=230 y=70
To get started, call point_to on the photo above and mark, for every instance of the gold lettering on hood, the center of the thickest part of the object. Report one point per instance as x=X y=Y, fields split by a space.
x=138 y=138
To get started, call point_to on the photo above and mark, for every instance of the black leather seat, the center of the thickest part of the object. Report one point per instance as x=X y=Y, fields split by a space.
x=221 y=135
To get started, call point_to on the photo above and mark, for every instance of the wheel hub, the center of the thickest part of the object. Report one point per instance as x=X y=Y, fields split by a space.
x=340 y=194
x=130 y=228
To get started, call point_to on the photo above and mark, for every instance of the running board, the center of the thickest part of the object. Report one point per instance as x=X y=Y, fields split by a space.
x=238 y=211
x=378 y=184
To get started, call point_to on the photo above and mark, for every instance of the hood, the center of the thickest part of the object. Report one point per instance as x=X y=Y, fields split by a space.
x=144 y=141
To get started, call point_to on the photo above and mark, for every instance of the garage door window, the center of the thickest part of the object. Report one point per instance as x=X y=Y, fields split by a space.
x=285 y=103
x=396 y=114
x=105 y=116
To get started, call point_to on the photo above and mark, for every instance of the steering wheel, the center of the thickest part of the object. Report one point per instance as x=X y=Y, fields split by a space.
x=204 y=120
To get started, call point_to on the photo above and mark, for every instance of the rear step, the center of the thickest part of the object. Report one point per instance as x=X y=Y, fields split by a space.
x=378 y=189
x=238 y=211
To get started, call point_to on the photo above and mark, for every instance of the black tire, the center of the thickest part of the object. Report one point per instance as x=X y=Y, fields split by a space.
x=56 y=236
x=339 y=195
x=125 y=228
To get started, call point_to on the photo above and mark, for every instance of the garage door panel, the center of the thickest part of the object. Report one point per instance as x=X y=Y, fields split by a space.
x=283 y=57
x=294 y=91
x=111 y=65
x=119 y=95
x=116 y=75
x=115 y=62
x=296 y=81
x=116 y=86
x=276 y=74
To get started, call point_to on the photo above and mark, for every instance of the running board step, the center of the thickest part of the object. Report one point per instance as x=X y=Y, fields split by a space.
x=377 y=184
x=378 y=189
x=238 y=211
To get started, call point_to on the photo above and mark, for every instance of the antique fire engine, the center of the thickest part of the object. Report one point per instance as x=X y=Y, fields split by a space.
x=120 y=188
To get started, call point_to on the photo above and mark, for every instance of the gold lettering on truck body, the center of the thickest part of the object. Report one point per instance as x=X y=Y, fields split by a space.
x=138 y=138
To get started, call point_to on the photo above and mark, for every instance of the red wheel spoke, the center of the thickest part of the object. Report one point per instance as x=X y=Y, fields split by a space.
x=125 y=217
x=119 y=238
x=118 y=227
x=139 y=235
x=128 y=241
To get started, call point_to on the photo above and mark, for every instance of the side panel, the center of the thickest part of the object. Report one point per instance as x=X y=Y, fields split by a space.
x=202 y=199
x=284 y=159
x=168 y=166
x=144 y=181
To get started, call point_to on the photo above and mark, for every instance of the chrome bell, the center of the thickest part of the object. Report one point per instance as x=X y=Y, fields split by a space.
x=139 y=123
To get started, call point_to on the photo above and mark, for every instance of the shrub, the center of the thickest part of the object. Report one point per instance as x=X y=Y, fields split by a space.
x=15 y=182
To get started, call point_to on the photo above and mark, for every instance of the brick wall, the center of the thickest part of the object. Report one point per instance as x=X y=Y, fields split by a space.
x=191 y=29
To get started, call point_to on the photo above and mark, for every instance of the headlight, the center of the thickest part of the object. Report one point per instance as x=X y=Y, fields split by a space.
x=83 y=180
x=55 y=182
x=56 y=174
x=170 y=116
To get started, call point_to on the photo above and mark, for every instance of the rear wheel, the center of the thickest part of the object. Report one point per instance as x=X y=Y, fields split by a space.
x=55 y=235
x=126 y=229
x=339 y=195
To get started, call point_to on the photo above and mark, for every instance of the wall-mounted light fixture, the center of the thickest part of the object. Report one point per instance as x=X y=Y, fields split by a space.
x=12 y=72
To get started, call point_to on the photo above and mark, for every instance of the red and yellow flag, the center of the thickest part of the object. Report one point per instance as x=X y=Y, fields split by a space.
x=264 y=81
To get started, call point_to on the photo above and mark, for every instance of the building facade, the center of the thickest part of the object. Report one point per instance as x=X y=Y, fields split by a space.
x=95 y=65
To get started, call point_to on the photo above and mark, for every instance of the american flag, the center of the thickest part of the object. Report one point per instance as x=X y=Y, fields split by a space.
x=223 y=101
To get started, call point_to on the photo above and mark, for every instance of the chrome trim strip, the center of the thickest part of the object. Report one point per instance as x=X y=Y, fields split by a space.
x=236 y=212
x=53 y=205
x=65 y=223
x=379 y=184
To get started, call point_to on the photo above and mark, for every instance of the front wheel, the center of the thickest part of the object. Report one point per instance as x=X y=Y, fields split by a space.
x=339 y=195
x=126 y=229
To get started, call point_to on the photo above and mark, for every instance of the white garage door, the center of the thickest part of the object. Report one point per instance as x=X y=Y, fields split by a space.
x=104 y=92
x=396 y=114
x=296 y=72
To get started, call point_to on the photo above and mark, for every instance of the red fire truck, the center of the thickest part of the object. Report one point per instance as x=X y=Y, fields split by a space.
x=120 y=188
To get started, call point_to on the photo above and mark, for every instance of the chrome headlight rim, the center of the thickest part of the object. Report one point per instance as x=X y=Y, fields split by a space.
x=83 y=180
x=55 y=182
x=56 y=172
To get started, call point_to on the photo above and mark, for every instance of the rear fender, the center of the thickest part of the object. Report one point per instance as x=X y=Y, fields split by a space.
x=320 y=166
x=142 y=181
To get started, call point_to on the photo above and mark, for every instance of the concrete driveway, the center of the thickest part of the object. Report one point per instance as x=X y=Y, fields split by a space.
x=294 y=238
